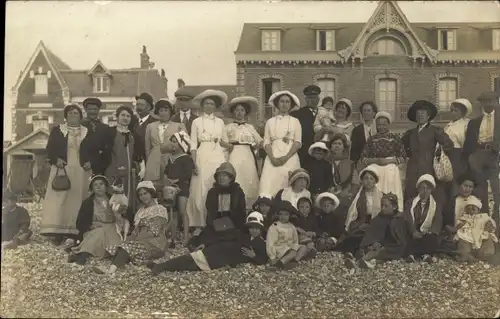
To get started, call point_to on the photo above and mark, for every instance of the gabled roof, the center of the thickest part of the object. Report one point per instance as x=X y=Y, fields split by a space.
x=25 y=139
x=99 y=66
x=54 y=63
x=387 y=15
x=6 y=144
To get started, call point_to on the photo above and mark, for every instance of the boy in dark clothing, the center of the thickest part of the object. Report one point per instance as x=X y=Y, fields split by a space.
x=319 y=169
x=307 y=226
x=15 y=222
x=331 y=221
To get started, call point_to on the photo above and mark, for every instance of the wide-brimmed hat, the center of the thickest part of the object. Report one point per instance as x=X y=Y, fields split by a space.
x=473 y=200
x=146 y=184
x=419 y=105
x=275 y=97
x=320 y=145
x=383 y=114
x=219 y=97
x=296 y=174
x=227 y=168
x=262 y=200
x=370 y=169
x=92 y=100
x=346 y=102
x=146 y=97
x=286 y=206
x=465 y=103
x=255 y=219
x=327 y=195
x=183 y=140
x=250 y=103
x=426 y=178
x=98 y=177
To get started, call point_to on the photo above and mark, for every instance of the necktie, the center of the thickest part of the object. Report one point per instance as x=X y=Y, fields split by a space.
x=184 y=119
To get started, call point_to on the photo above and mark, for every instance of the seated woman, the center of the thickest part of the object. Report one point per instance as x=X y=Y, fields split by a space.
x=226 y=209
x=95 y=223
x=386 y=238
x=148 y=239
x=250 y=247
x=298 y=182
x=365 y=207
x=15 y=222
x=345 y=175
x=425 y=218
x=331 y=221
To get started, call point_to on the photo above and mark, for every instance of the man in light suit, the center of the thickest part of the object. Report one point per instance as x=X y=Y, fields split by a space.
x=482 y=148
x=183 y=106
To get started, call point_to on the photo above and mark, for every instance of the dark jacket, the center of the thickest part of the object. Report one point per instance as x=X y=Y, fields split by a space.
x=14 y=221
x=96 y=131
x=86 y=216
x=57 y=147
x=472 y=134
x=437 y=221
x=140 y=129
x=138 y=147
x=306 y=116
x=237 y=211
x=332 y=224
x=321 y=175
x=309 y=223
x=177 y=118
x=358 y=142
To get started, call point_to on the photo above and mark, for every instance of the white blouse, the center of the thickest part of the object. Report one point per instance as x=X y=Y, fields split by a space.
x=243 y=134
x=282 y=127
x=456 y=131
x=207 y=128
x=161 y=131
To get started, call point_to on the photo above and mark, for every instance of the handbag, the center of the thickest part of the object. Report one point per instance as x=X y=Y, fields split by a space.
x=442 y=165
x=223 y=224
x=61 y=182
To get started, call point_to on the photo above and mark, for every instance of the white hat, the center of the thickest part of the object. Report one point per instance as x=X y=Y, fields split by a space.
x=473 y=200
x=320 y=145
x=251 y=101
x=466 y=103
x=384 y=114
x=210 y=93
x=328 y=195
x=255 y=218
x=183 y=140
x=426 y=178
x=146 y=184
x=346 y=101
x=280 y=93
x=372 y=169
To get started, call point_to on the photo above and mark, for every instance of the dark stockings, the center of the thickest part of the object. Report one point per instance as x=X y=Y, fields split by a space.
x=121 y=258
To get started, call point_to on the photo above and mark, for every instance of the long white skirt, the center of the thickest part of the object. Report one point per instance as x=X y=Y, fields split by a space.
x=390 y=181
x=209 y=156
x=275 y=178
x=242 y=158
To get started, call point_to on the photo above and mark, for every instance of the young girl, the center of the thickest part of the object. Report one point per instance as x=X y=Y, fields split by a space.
x=307 y=226
x=282 y=241
x=15 y=222
x=386 y=237
x=319 y=169
x=330 y=220
x=475 y=232
x=298 y=182
x=264 y=205
x=178 y=173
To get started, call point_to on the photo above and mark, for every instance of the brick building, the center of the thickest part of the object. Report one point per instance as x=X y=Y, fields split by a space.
x=47 y=84
x=387 y=59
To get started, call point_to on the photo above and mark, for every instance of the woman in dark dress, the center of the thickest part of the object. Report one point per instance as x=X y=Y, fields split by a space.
x=362 y=132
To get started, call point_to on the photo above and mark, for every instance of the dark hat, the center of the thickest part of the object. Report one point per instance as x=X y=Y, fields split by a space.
x=163 y=104
x=227 y=168
x=467 y=176
x=185 y=92
x=264 y=200
x=488 y=95
x=286 y=206
x=419 y=105
x=312 y=90
x=10 y=195
x=92 y=100
x=146 y=97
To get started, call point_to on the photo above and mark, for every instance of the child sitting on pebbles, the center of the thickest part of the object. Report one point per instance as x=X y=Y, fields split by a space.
x=15 y=222
x=475 y=233
x=331 y=221
x=282 y=243
x=307 y=227
x=264 y=205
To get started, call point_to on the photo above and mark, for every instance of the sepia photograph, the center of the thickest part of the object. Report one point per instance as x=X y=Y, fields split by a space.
x=251 y=159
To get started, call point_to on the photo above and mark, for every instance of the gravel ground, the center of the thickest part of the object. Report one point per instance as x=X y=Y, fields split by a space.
x=38 y=282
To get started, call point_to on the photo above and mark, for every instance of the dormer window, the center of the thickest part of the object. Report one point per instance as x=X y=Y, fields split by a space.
x=325 y=40
x=496 y=39
x=101 y=84
x=41 y=81
x=271 y=40
x=447 y=40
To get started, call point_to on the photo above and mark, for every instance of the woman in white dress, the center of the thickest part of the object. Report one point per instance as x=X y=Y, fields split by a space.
x=208 y=140
x=282 y=140
x=245 y=141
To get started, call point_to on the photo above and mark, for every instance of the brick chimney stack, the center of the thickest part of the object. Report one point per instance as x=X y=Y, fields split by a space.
x=180 y=83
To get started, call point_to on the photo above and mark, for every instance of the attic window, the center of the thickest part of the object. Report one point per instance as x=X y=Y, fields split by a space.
x=325 y=40
x=447 y=40
x=271 y=40
x=41 y=84
x=496 y=39
x=101 y=84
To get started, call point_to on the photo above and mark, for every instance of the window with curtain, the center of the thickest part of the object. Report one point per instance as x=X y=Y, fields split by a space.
x=327 y=87
x=269 y=86
x=387 y=95
x=271 y=40
x=447 y=92
x=41 y=84
x=386 y=46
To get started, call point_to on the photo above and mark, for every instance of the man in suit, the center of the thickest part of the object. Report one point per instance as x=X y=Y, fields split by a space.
x=482 y=148
x=96 y=130
x=183 y=104
x=306 y=116
x=143 y=107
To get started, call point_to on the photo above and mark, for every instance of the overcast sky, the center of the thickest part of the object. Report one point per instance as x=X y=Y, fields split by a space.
x=194 y=41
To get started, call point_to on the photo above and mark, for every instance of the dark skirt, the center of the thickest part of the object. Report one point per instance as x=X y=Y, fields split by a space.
x=181 y=263
x=428 y=244
x=351 y=242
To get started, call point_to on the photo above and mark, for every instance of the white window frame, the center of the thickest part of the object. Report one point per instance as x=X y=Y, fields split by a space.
x=329 y=40
x=277 y=84
x=267 y=40
x=496 y=39
x=99 y=81
x=452 y=44
x=447 y=92
x=41 y=84
x=40 y=124
x=324 y=90
x=383 y=100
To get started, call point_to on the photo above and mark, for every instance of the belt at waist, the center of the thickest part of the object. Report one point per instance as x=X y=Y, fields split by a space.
x=485 y=146
x=238 y=143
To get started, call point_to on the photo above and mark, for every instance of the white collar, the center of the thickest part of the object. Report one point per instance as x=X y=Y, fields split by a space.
x=489 y=114
x=211 y=116
x=144 y=119
x=188 y=112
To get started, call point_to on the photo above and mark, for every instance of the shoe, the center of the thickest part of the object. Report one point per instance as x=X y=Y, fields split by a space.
x=367 y=264
x=429 y=259
x=349 y=256
x=290 y=265
x=350 y=263
x=411 y=259
x=150 y=264
x=311 y=254
x=72 y=258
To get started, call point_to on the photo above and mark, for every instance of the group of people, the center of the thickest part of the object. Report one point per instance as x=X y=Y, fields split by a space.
x=324 y=185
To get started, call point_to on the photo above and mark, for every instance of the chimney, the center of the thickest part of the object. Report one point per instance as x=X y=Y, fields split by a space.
x=180 y=83
x=145 y=64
